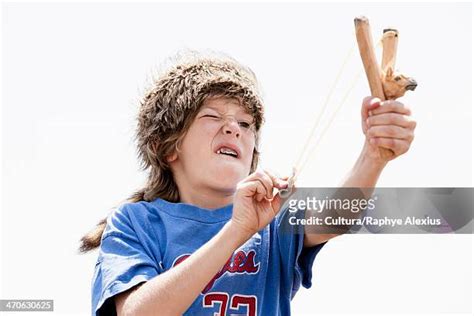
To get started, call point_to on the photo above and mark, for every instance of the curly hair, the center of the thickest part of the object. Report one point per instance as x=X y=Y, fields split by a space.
x=168 y=110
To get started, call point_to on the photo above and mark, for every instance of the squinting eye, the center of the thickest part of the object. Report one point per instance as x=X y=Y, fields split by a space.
x=211 y=116
x=397 y=78
x=244 y=124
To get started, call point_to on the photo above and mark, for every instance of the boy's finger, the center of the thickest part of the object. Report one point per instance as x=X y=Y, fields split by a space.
x=391 y=119
x=392 y=106
x=265 y=180
x=259 y=190
x=254 y=189
x=399 y=146
x=368 y=105
x=279 y=183
x=390 y=131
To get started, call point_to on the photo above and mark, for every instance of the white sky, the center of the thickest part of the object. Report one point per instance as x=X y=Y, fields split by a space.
x=71 y=78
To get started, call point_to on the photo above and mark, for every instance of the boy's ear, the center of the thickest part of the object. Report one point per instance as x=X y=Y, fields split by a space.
x=172 y=157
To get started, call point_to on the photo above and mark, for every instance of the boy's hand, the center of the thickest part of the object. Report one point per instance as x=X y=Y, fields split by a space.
x=255 y=203
x=386 y=124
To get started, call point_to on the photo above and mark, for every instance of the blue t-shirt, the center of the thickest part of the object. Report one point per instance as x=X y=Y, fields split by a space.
x=144 y=239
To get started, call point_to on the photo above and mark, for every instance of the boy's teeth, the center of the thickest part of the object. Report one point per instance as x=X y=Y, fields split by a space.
x=227 y=151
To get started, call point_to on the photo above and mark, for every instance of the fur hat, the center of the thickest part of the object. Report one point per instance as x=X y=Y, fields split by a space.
x=179 y=91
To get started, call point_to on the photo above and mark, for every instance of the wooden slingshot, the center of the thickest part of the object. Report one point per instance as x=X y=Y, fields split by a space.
x=384 y=82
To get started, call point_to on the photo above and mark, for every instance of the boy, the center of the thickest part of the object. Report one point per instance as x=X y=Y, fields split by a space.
x=204 y=236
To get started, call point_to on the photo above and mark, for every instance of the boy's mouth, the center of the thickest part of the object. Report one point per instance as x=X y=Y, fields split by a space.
x=228 y=150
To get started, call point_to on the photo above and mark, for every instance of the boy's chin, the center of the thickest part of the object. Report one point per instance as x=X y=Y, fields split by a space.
x=229 y=179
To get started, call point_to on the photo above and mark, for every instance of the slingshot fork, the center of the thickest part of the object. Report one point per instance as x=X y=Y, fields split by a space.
x=384 y=82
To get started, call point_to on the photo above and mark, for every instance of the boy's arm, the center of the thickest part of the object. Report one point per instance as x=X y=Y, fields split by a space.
x=389 y=126
x=364 y=174
x=173 y=292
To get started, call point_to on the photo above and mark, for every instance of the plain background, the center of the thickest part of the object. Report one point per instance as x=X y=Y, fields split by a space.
x=72 y=76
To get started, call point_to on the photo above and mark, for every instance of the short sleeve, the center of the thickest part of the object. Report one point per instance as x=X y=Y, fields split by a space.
x=123 y=263
x=297 y=260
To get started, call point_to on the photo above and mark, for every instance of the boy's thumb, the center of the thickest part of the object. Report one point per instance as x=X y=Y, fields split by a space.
x=369 y=104
x=276 y=203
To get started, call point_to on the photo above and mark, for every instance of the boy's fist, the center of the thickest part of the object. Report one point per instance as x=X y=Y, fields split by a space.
x=386 y=124
x=255 y=202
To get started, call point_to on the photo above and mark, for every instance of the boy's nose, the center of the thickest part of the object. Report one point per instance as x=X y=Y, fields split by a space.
x=231 y=127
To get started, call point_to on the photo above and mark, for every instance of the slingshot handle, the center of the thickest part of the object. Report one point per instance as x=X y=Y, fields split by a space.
x=371 y=66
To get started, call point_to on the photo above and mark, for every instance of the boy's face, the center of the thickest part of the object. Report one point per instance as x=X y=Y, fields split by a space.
x=216 y=152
